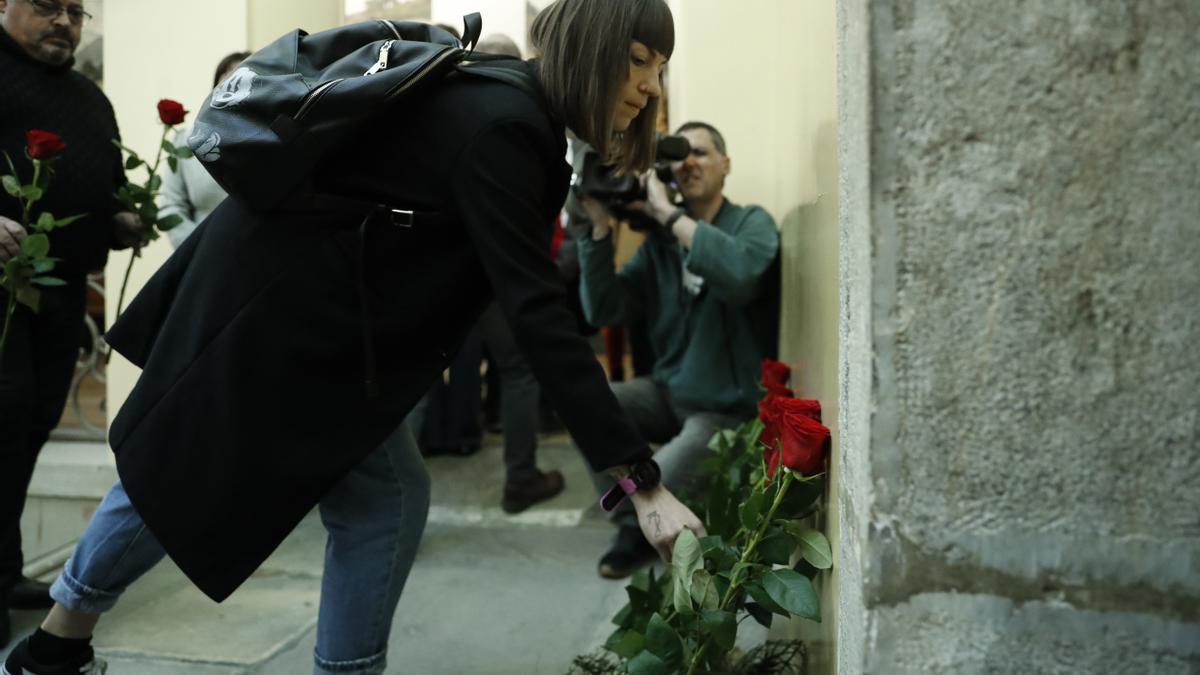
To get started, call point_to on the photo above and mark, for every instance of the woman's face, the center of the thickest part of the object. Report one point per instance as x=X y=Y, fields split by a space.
x=643 y=84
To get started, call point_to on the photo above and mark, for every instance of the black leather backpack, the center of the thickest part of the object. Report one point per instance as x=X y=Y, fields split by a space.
x=264 y=129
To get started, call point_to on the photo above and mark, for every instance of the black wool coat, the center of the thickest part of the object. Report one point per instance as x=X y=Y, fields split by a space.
x=251 y=402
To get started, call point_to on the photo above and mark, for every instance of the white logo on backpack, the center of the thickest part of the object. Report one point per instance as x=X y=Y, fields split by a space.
x=234 y=89
x=205 y=143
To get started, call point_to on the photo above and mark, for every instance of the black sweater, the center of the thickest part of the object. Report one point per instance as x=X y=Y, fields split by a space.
x=35 y=95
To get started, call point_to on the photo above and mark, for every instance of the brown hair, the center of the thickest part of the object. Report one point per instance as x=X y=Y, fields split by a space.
x=717 y=139
x=583 y=50
x=227 y=63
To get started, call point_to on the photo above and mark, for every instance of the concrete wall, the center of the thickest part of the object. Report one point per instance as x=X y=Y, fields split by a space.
x=1021 y=387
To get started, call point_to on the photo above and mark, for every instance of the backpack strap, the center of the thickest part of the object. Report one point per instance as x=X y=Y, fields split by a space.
x=511 y=76
x=472 y=28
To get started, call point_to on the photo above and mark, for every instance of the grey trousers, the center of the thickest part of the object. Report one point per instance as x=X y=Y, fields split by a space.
x=683 y=434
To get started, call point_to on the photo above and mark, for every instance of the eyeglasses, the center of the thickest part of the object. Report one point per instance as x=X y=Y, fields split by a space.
x=51 y=10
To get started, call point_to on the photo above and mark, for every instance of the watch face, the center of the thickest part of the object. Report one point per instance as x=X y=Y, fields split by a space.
x=646 y=474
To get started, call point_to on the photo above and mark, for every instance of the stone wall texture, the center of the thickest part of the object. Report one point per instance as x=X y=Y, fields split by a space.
x=1027 y=492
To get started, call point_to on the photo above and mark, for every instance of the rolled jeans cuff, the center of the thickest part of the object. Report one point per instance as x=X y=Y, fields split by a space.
x=371 y=665
x=79 y=597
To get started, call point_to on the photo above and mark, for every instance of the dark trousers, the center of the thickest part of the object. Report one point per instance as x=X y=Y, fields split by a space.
x=37 y=367
x=452 y=407
x=519 y=396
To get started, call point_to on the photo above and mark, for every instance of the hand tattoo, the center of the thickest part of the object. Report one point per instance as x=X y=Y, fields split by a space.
x=657 y=520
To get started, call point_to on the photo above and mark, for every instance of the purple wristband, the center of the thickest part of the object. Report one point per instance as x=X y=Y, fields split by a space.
x=616 y=493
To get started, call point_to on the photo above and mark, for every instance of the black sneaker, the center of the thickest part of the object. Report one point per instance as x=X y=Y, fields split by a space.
x=629 y=552
x=21 y=662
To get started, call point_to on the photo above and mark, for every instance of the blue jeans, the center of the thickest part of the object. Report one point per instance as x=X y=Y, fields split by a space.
x=375 y=517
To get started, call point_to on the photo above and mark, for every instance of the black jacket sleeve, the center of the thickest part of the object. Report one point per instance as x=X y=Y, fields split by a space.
x=500 y=191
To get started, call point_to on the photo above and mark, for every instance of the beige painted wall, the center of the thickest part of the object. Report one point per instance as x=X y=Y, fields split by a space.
x=773 y=96
x=153 y=50
x=499 y=16
x=266 y=20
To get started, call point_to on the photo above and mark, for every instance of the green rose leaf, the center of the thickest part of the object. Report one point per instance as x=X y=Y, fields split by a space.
x=32 y=192
x=648 y=664
x=663 y=642
x=685 y=560
x=721 y=625
x=776 y=547
x=801 y=498
x=184 y=153
x=760 y=614
x=760 y=595
x=626 y=644
x=721 y=512
x=654 y=590
x=752 y=509
x=721 y=554
x=43 y=265
x=169 y=222
x=704 y=592
x=48 y=281
x=11 y=185
x=63 y=222
x=148 y=213
x=45 y=222
x=126 y=198
x=168 y=146
x=173 y=163
x=711 y=466
x=35 y=245
x=155 y=184
x=624 y=618
x=30 y=297
x=794 y=592
x=814 y=547
x=133 y=162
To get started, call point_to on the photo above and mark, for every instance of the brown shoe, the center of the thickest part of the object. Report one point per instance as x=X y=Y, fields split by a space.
x=524 y=494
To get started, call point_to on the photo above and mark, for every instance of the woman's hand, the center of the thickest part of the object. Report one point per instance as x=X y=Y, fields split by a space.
x=662 y=517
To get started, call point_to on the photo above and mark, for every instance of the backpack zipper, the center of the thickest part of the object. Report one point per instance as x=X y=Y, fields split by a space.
x=320 y=91
x=391 y=28
x=416 y=77
x=382 y=63
x=313 y=96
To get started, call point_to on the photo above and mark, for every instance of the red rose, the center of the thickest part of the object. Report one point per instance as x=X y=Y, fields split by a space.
x=775 y=377
x=43 y=145
x=769 y=413
x=804 y=444
x=171 y=112
x=794 y=433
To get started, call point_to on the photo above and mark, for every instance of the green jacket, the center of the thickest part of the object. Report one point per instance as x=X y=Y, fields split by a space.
x=708 y=346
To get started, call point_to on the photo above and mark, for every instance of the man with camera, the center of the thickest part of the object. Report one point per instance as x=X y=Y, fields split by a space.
x=706 y=283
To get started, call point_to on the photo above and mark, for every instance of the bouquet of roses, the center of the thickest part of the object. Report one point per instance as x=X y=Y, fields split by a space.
x=27 y=271
x=142 y=198
x=758 y=560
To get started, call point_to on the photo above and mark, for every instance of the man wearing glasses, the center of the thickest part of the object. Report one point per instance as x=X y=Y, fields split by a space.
x=38 y=90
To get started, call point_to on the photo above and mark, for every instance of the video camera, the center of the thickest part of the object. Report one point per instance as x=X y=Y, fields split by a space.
x=602 y=182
